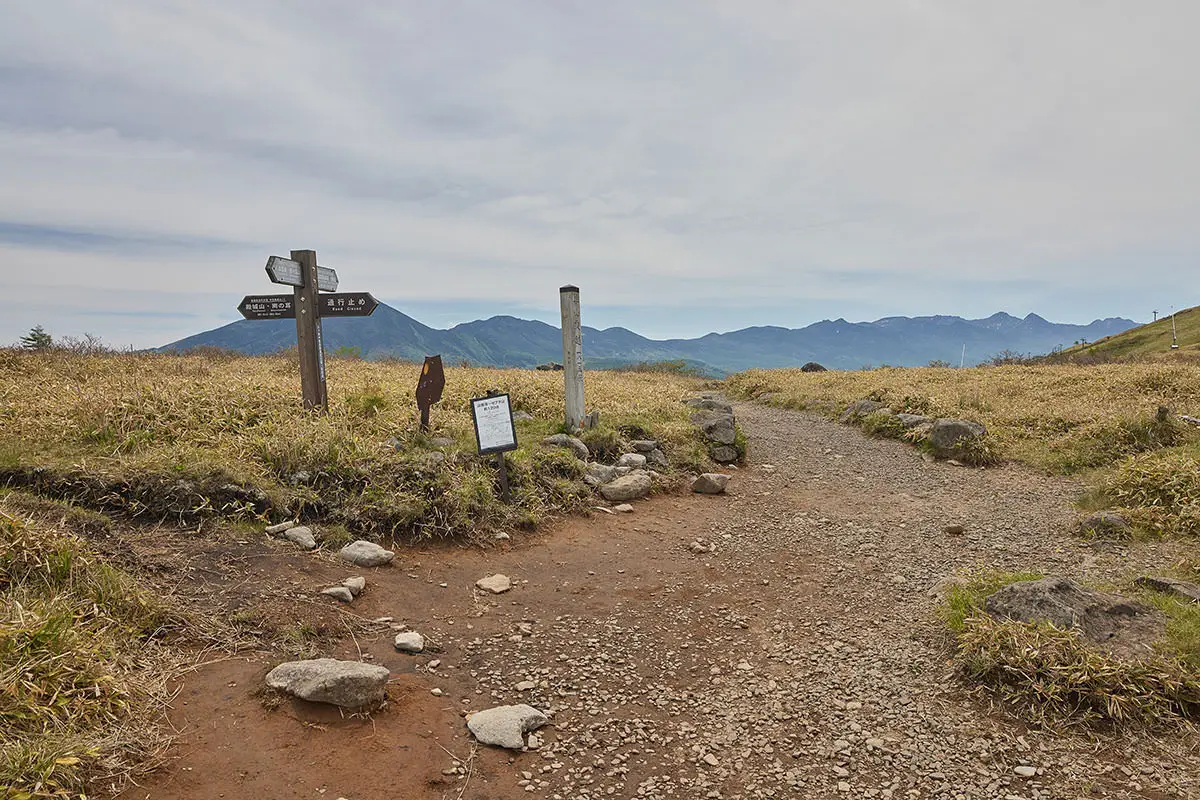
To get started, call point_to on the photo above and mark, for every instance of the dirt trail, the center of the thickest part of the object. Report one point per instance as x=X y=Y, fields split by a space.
x=801 y=658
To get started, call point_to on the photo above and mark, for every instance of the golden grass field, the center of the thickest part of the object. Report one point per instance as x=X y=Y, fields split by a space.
x=195 y=437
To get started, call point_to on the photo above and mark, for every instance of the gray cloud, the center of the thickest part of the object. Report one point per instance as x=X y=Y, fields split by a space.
x=684 y=162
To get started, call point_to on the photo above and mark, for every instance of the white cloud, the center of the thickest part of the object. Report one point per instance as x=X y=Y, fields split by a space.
x=952 y=157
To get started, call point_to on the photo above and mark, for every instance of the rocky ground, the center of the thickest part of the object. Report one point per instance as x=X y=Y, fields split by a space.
x=776 y=641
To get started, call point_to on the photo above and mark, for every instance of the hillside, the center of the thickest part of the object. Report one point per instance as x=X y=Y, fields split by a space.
x=1145 y=341
x=506 y=341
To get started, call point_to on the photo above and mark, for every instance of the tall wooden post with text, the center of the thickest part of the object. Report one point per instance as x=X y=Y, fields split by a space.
x=572 y=333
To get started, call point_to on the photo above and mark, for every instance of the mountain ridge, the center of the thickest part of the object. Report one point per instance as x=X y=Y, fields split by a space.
x=509 y=341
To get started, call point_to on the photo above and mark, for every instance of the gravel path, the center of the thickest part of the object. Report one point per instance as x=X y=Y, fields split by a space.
x=803 y=657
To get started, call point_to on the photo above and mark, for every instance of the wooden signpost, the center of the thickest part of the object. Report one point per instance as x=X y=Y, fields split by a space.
x=307 y=306
x=429 y=388
x=495 y=432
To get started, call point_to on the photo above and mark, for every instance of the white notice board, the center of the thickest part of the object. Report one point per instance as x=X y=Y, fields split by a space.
x=494 y=430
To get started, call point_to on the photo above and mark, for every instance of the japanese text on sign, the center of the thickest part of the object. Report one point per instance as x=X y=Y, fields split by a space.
x=493 y=424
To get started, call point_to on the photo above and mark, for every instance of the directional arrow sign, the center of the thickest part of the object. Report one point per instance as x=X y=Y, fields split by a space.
x=268 y=306
x=288 y=272
x=348 y=304
x=283 y=306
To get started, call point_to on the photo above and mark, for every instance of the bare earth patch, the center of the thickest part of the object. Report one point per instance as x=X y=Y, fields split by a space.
x=802 y=657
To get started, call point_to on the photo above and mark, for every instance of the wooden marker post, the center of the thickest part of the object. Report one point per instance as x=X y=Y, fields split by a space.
x=308 y=333
x=429 y=388
x=572 y=335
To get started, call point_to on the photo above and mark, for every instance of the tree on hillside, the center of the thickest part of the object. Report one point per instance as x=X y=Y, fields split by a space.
x=37 y=339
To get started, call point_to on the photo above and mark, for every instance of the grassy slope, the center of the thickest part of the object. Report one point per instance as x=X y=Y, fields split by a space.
x=191 y=438
x=1152 y=341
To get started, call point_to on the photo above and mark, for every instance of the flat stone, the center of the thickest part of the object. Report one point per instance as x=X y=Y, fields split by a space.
x=302 y=537
x=443 y=441
x=1025 y=771
x=522 y=416
x=710 y=483
x=633 y=486
x=366 y=554
x=859 y=408
x=711 y=760
x=506 y=726
x=632 y=460
x=624 y=508
x=348 y=684
x=409 y=642
x=525 y=686
x=573 y=443
x=496 y=584
x=355 y=584
x=912 y=420
x=275 y=530
x=1123 y=627
x=709 y=404
x=339 y=592
x=1181 y=590
x=644 y=445
x=597 y=475
x=1106 y=524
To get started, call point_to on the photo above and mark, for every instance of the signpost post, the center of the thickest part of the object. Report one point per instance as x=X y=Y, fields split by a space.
x=495 y=432
x=429 y=388
x=572 y=336
x=307 y=306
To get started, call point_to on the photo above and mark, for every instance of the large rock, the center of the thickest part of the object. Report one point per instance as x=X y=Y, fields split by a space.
x=339 y=593
x=366 y=554
x=633 y=486
x=633 y=460
x=859 y=409
x=643 y=445
x=496 y=584
x=506 y=726
x=1124 y=627
x=1186 y=591
x=575 y=444
x=710 y=483
x=723 y=453
x=912 y=420
x=657 y=458
x=1106 y=524
x=717 y=428
x=709 y=404
x=947 y=435
x=813 y=366
x=349 y=684
x=301 y=536
x=599 y=474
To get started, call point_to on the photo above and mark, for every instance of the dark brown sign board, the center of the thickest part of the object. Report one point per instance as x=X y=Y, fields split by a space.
x=429 y=387
x=283 y=306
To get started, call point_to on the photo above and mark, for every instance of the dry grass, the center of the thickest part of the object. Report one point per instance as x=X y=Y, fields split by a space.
x=192 y=438
x=1050 y=675
x=1060 y=418
x=81 y=672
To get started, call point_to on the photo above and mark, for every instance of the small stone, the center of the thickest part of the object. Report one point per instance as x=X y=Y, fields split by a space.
x=496 y=584
x=624 y=508
x=843 y=786
x=502 y=537
x=437 y=662
x=573 y=443
x=711 y=760
x=632 y=460
x=522 y=416
x=436 y=692
x=628 y=487
x=505 y=726
x=954 y=530
x=710 y=483
x=525 y=686
x=355 y=584
x=410 y=642
x=339 y=593
x=302 y=537
x=366 y=554
x=274 y=530
x=348 y=684
x=443 y=441
x=1025 y=771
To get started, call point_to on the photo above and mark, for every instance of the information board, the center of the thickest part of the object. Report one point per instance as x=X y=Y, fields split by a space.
x=494 y=431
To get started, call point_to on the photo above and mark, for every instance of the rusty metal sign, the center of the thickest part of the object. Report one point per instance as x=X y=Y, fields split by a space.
x=429 y=388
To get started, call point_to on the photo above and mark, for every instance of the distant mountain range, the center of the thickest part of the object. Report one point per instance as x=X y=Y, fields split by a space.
x=836 y=344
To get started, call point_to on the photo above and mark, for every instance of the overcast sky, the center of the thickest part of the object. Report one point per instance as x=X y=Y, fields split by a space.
x=692 y=165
